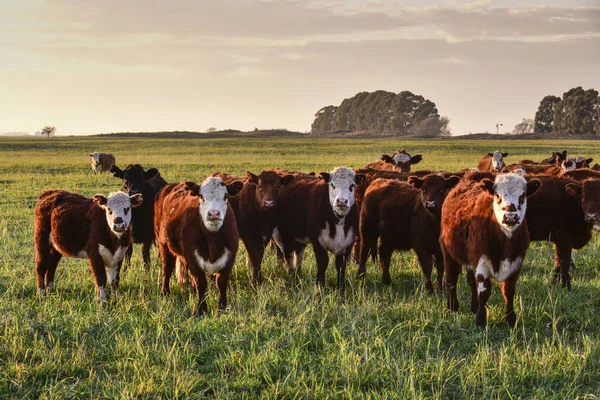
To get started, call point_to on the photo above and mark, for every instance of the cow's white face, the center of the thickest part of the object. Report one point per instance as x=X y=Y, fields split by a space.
x=401 y=158
x=95 y=157
x=118 y=209
x=498 y=161
x=342 y=182
x=213 y=203
x=568 y=164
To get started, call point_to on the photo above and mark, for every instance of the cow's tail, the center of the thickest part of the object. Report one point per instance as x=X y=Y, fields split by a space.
x=181 y=272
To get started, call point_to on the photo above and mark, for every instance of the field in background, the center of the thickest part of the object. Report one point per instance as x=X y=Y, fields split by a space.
x=282 y=339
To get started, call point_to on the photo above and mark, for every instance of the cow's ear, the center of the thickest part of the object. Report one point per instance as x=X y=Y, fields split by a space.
x=312 y=173
x=234 y=187
x=532 y=186
x=136 y=200
x=117 y=172
x=487 y=186
x=192 y=188
x=360 y=179
x=150 y=173
x=490 y=155
x=452 y=181
x=504 y=154
x=325 y=176
x=574 y=189
x=91 y=155
x=251 y=177
x=100 y=200
x=387 y=159
x=589 y=160
x=416 y=159
x=415 y=182
x=564 y=154
x=285 y=180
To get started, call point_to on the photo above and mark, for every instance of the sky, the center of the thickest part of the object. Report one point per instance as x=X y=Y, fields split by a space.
x=91 y=67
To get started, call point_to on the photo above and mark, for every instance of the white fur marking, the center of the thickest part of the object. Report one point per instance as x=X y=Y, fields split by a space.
x=213 y=200
x=507 y=268
x=401 y=158
x=212 y=267
x=50 y=286
x=111 y=261
x=340 y=242
x=101 y=294
x=509 y=187
x=480 y=288
x=340 y=180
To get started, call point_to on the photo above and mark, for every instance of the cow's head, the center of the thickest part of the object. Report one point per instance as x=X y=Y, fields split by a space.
x=510 y=192
x=568 y=165
x=434 y=189
x=497 y=160
x=589 y=193
x=341 y=184
x=118 y=209
x=556 y=158
x=134 y=177
x=268 y=184
x=582 y=162
x=213 y=195
x=402 y=160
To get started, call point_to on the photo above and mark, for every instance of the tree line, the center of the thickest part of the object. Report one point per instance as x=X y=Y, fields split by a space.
x=404 y=113
x=576 y=113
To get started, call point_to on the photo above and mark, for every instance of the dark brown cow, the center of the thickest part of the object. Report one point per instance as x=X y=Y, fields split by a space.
x=196 y=229
x=256 y=214
x=492 y=162
x=589 y=193
x=101 y=162
x=399 y=161
x=68 y=224
x=404 y=216
x=556 y=158
x=583 y=174
x=322 y=213
x=484 y=229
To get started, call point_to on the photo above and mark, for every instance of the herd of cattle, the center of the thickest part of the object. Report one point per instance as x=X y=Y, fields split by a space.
x=481 y=218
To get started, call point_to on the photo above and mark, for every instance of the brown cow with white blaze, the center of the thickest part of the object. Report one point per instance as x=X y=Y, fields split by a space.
x=195 y=228
x=484 y=229
x=68 y=224
x=399 y=161
x=492 y=162
x=101 y=162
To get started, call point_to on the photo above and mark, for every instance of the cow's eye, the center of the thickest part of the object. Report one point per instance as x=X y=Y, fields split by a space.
x=260 y=188
x=109 y=211
x=332 y=185
x=225 y=197
x=352 y=187
x=126 y=210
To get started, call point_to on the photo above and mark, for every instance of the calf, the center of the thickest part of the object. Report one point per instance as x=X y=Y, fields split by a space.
x=399 y=161
x=68 y=224
x=320 y=212
x=405 y=216
x=484 y=228
x=256 y=214
x=101 y=162
x=492 y=162
x=148 y=183
x=195 y=228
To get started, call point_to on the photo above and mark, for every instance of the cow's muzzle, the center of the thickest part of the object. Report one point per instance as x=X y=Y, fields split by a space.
x=591 y=217
x=510 y=219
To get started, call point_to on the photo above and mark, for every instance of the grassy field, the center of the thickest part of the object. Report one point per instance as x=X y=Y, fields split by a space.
x=283 y=339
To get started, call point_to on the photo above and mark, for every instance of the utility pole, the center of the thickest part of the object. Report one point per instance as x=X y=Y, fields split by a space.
x=498 y=128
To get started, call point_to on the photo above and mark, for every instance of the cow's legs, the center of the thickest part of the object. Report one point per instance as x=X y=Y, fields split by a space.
x=473 y=286
x=426 y=261
x=385 y=257
x=46 y=261
x=168 y=266
x=146 y=254
x=451 y=271
x=439 y=266
x=199 y=278
x=222 y=279
x=484 y=290
x=322 y=261
x=340 y=266
x=255 y=252
x=127 y=260
x=563 y=263
x=508 y=291
x=99 y=271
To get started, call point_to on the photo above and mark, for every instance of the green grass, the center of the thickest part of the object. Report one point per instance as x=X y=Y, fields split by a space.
x=282 y=339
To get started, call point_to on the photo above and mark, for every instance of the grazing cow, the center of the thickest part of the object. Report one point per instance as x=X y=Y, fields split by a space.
x=195 y=228
x=484 y=229
x=68 y=224
x=492 y=162
x=101 y=162
x=148 y=183
x=399 y=161
x=256 y=214
x=405 y=216
x=320 y=212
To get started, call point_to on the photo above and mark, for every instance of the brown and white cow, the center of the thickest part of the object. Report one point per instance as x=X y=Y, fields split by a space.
x=68 y=224
x=404 y=216
x=484 y=229
x=492 y=162
x=101 y=162
x=399 y=161
x=195 y=228
x=322 y=213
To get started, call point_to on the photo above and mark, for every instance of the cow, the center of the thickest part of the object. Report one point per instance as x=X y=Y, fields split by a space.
x=101 y=162
x=148 y=183
x=589 y=193
x=583 y=174
x=582 y=162
x=483 y=227
x=399 y=161
x=196 y=230
x=492 y=162
x=556 y=158
x=404 y=216
x=320 y=212
x=69 y=224
x=256 y=214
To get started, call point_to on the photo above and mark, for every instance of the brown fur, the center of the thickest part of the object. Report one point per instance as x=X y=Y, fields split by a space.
x=107 y=160
x=486 y=165
x=583 y=174
x=387 y=162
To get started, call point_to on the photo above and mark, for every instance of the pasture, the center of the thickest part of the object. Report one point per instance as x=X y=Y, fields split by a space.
x=283 y=339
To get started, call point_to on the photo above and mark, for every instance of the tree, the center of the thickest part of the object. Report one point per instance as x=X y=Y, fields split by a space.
x=544 y=116
x=212 y=129
x=525 y=126
x=432 y=127
x=576 y=113
x=324 y=120
x=48 y=131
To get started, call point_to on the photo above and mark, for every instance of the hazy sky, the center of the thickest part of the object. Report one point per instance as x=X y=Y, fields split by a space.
x=155 y=65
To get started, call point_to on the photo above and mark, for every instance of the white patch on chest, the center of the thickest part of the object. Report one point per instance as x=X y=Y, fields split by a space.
x=340 y=241
x=111 y=261
x=212 y=267
x=507 y=268
x=480 y=287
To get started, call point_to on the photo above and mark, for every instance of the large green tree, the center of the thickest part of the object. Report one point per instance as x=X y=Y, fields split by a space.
x=576 y=113
x=544 y=116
